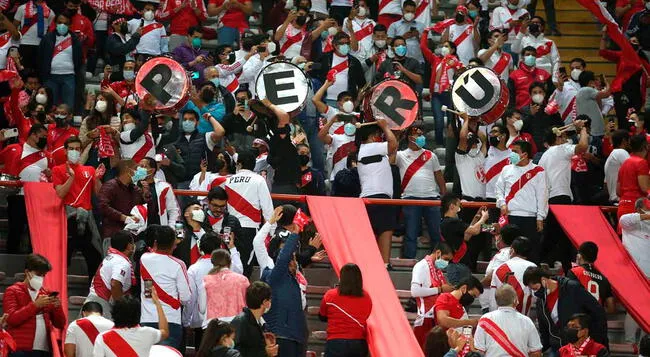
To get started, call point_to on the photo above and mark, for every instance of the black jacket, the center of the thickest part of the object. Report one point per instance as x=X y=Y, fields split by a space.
x=117 y=50
x=193 y=151
x=175 y=172
x=573 y=299
x=249 y=335
x=46 y=51
x=356 y=75
x=283 y=157
x=223 y=351
x=182 y=250
x=537 y=125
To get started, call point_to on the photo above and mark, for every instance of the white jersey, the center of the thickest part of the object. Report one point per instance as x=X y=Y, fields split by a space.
x=197 y=185
x=566 y=100
x=530 y=198
x=139 y=338
x=62 y=60
x=463 y=37
x=512 y=272
x=515 y=334
x=6 y=42
x=556 y=162
x=612 y=165
x=495 y=162
x=470 y=168
x=341 y=146
x=501 y=257
x=337 y=127
x=548 y=57
x=115 y=266
x=168 y=209
x=29 y=27
x=229 y=74
x=363 y=29
x=191 y=315
x=249 y=74
x=502 y=19
x=83 y=332
x=376 y=177
x=423 y=11
x=249 y=199
x=170 y=280
x=136 y=150
x=32 y=172
x=500 y=62
x=422 y=182
x=153 y=40
x=636 y=239
x=291 y=42
x=341 y=77
x=391 y=7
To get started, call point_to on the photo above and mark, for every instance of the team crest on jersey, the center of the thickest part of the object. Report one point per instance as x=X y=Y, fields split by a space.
x=122 y=272
x=480 y=174
x=528 y=176
x=86 y=174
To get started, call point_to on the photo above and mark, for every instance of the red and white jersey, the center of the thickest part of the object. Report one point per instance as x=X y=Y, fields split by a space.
x=417 y=169
x=191 y=314
x=463 y=37
x=291 y=42
x=133 y=342
x=494 y=163
x=341 y=146
x=229 y=74
x=512 y=272
x=56 y=138
x=506 y=333
x=24 y=161
x=523 y=189
x=423 y=11
x=115 y=266
x=62 y=62
x=362 y=31
x=426 y=279
x=171 y=282
x=337 y=127
x=566 y=100
x=341 y=66
x=500 y=62
x=168 y=208
x=141 y=212
x=249 y=198
x=552 y=304
x=83 y=332
x=502 y=18
x=5 y=43
x=195 y=253
x=136 y=150
x=548 y=57
x=390 y=7
x=164 y=351
x=470 y=170
x=153 y=38
x=502 y=256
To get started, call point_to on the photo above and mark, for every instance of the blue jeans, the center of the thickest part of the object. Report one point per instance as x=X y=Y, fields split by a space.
x=63 y=88
x=346 y=348
x=175 y=338
x=310 y=125
x=290 y=348
x=437 y=101
x=413 y=225
x=228 y=35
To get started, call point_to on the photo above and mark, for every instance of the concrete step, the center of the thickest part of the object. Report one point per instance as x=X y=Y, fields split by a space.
x=571 y=28
x=583 y=41
x=562 y=5
x=574 y=16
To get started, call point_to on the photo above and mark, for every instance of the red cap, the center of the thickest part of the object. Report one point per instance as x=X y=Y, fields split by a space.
x=461 y=9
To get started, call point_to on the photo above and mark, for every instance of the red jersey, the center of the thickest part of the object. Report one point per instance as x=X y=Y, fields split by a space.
x=122 y=88
x=82 y=185
x=234 y=17
x=346 y=315
x=522 y=78
x=627 y=16
x=447 y=302
x=628 y=178
x=56 y=137
x=182 y=20
x=588 y=348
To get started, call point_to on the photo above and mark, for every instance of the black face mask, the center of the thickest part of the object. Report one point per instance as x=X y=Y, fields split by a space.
x=541 y=293
x=303 y=160
x=534 y=29
x=41 y=143
x=231 y=58
x=466 y=300
x=494 y=141
x=40 y=116
x=301 y=20
x=570 y=335
x=284 y=130
x=124 y=28
x=207 y=96
x=460 y=17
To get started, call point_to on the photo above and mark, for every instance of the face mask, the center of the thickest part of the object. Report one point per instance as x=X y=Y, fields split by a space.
x=575 y=74
x=409 y=16
x=41 y=143
x=494 y=141
x=148 y=15
x=207 y=96
x=73 y=156
x=460 y=18
x=301 y=20
x=512 y=6
x=344 y=49
x=380 y=43
x=518 y=124
x=215 y=81
x=324 y=35
x=530 y=61
x=514 y=158
x=444 y=51
x=441 y=264
x=188 y=126
x=196 y=42
x=62 y=29
x=538 y=98
x=361 y=12
x=420 y=141
x=466 y=300
x=349 y=129
x=101 y=106
x=128 y=75
x=41 y=98
x=303 y=160
x=301 y=65
x=36 y=282
x=124 y=28
x=232 y=58
x=347 y=106
x=400 y=50
x=198 y=215
x=128 y=126
x=570 y=335
x=270 y=47
x=647 y=5
x=473 y=13
x=139 y=174
x=534 y=29
x=332 y=31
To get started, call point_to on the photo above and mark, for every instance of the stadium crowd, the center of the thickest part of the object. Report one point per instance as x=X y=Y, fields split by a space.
x=181 y=271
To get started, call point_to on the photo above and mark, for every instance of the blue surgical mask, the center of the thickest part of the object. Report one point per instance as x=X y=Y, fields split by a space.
x=441 y=264
x=473 y=14
x=344 y=49
x=215 y=81
x=350 y=129
x=62 y=29
x=530 y=61
x=196 y=42
x=188 y=126
x=324 y=35
x=139 y=174
x=73 y=156
x=514 y=158
x=400 y=50
x=420 y=141
x=128 y=75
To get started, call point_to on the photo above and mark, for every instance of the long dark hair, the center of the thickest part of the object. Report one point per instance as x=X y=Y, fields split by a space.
x=351 y=280
x=213 y=334
x=95 y=118
x=437 y=343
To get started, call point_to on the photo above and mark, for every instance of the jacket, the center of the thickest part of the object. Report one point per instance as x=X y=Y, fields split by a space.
x=573 y=299
x=183 y=248
x=21 y=319
x=223 y=351
x=175 y=172
x=356 y=75
x=249 y=335
x=117 y=50
x=286 y=318
x=521 y=79
x=537 y=125
x=192 y=151
x=46 y=52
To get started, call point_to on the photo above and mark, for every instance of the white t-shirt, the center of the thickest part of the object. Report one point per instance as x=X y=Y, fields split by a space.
x=41 y=338
x=191 y=315
x=365 y=42
x=556 y=162
x=75 y=335
x=151 y=42
x=294 y=49
x=519 y=329
x=465 y=50
x=32 y=173
x=341 y=78
x=423 y=183
x=515 y=266
x=129 y=148
x=469 y=169
x=636 y=239
x=113 y=267
x=338 y=159
x=488 y=294
x=496 y=58
x=319 y=7
x=31 y=36
x=612 y=165
x=376 y=178
x=140 y=338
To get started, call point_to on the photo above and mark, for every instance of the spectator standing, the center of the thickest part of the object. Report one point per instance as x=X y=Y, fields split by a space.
x=341 y=68
x=470 y=159
x=237 y=122
x=524 y=76
x=532 y=35
x=591 y=279
x=505 y=331
x=579 y=343
x=587 y=100
x=229 y=67
x=422 y=179
x=191 y=54
x=121 y=44
x=376 y=53
x=182 y=15
x=346 y=182
x=456 y=232
x=82 y=333
x=61 y=60
x=153 y=36
x=512 y=119
x=451 y=308
x=464 y=34
x=522 y=195
x=291 y=34
x=283 y=157
x=118 y=196
x=188 y=250
x=427 y=283
x=135 y=141
x=512 y=273
x=128 y=336
x=346 y=310
x=250 y=339
x=363 y=28
x=633 y=176
x=625 y=9
x=115 y=275
x=219 y=218
x=495 y=57
x=502 y=242
x=33 y=18
x=498 y=156
x=401 y=65
x=59 y=133
x=507 y=19
x=122 y=90
x=170 y=280
x=620 y=142
x=234 y=18
x=262 y=166
x=537 y=122
x=566 y=90
x=195 y=147
x=162 y=206
x=408 y=29
x=312 y=181
x=377 y=180
x=32 y=313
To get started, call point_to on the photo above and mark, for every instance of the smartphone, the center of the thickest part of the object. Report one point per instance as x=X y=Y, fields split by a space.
x=148 y=285
x=467 y=331
x=180 y=230
x=316 y=66
x=562 y=70
x=11 y=133
x=195 y=75
x=395 y=66
x=345 y=118
x=53 y=294
x=487 y=228
x=226 y=235
x=261 y=49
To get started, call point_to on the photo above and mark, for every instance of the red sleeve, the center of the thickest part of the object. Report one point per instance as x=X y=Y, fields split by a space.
x=621 y=3
x=323 y=303
x=215 y=2
x=426 y=52
x=90 y=33
x=607 y=146
x=612 y=56
x=642 y=169
x=59 y=175
x=17 y=313
x=58 y=317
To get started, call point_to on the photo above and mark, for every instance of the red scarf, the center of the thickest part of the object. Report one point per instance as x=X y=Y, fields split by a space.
x=443 y=77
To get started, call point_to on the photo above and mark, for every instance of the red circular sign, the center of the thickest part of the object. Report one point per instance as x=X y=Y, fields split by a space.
x=394 y=101
x=166 y=81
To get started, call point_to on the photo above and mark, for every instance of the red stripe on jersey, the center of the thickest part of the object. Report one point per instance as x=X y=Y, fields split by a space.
x=118 y=345
x=523 y=180
x=89 y=329
x=162 y=201
x=507 y=276
x=241 y=205
x=500 y=337
x=173 y=302
x=415 y=166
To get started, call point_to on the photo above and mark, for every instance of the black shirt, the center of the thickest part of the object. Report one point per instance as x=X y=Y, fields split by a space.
x=593 y=281
x=452 y=230
x=312 y=182
x=236 y=133
x=283 y=157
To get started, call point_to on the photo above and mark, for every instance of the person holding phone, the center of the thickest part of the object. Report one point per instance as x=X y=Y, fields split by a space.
x=11 y=38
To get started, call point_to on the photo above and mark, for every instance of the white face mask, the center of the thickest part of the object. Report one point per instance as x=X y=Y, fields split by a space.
x=347 y=106
x=575 y=74
x=36 y=282
x=148 y=15
x=270 y=47
x=41 y=98
x=380 y=43
x=409 y=16
x=518 y=124
x=198 y=215
x=362 y=11
x=647 y=5
x=538 y=98
x=444 y=51
x=129 y=126
x=101 y=106
x=332 y=31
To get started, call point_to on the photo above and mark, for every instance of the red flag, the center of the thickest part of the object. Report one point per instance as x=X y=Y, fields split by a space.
x=301 y=219
x=105 y=144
